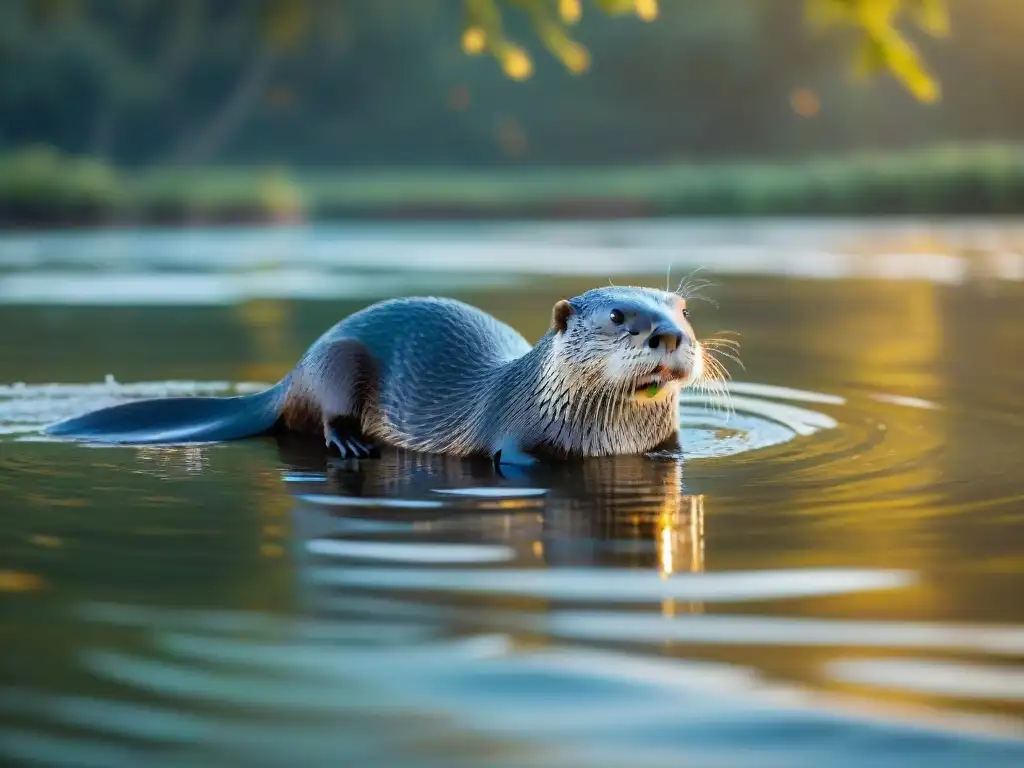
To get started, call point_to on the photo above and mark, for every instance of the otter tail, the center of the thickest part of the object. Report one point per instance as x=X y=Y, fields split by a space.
x=178 y=419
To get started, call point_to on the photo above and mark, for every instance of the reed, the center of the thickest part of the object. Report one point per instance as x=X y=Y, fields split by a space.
x=40 y=187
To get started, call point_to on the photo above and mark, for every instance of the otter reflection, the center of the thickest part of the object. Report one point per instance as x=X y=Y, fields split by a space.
x=621 y=511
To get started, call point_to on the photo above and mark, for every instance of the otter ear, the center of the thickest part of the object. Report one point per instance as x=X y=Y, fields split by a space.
x=560 y=315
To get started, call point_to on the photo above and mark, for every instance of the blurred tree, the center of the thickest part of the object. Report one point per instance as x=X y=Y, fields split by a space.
x=882 y=46
x=323 y=83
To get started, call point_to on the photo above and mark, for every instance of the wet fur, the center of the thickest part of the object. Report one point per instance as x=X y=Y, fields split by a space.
x=439 y=376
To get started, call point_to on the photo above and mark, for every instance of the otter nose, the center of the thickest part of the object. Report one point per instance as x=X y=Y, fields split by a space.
x=665 y=337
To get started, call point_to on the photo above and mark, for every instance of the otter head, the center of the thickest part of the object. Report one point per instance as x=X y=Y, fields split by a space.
x=637 y=340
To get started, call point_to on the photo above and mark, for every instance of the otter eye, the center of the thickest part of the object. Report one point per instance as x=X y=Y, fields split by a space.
x=686 y=313
x=617 y=317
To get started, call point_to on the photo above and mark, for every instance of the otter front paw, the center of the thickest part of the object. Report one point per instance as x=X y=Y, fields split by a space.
x=348 y=446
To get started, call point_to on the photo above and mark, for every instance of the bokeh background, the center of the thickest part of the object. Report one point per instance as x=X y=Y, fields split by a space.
x=137 y=110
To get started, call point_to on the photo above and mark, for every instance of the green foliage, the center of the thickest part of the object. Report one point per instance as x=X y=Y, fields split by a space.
x=942 y=180
x=323 y=81
x=39 y=186
x=37 y=180
x=882 y=46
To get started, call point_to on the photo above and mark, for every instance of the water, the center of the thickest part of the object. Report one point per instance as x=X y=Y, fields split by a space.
x=832 y=575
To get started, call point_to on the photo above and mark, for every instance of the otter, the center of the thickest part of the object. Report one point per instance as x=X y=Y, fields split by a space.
x=436 y=375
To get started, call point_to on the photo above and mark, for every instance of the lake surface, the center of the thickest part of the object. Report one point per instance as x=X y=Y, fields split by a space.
x=832 y=575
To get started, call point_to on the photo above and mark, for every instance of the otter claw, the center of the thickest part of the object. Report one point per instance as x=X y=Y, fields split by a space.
x=348 y=448
x=331 y=439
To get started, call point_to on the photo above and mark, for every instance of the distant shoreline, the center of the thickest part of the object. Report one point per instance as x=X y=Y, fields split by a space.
x=40 y=189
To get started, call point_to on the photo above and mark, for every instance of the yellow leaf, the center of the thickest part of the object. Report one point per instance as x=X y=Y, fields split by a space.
x=485 y=16
x=904 y=62
x=570 y=11
x=516 y=63
x=876 y=16
x=576 y=58
x=646 y=9
x=884 y=49
x=473 y=40
x=573 y=56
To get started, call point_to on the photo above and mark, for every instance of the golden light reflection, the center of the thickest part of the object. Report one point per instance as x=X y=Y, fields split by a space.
x=570 y=10
x=576 y=58
x=20 y=581
x=473 y=40
x=516 y=63
x=680 y=537
x=883 y=504
x=511 y=504
x=271 y=550
x=647 y=9
x=666 y=551
x=680 y=546
x=172 y=461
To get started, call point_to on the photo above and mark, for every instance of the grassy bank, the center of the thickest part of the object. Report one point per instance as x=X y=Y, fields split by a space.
x=38 y=187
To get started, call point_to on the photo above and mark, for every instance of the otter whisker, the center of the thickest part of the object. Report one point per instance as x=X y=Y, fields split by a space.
x=734 y=358
x=690 y=289
x=713 y=371
x=730 y=352
x=689 y=284
x=713 y=383
x=719 y=343
x=725 y=347
x=689 y=278
x=717 y=365
x=694 y=294
x=724 y=334
x=708 y=299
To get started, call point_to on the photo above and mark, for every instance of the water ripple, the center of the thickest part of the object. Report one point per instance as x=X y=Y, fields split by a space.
x=610 y=585
x=944 y=678
x=791 y=632
x=803 y=587
x=411 y=552
x=489 y=493
x=365 y=502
